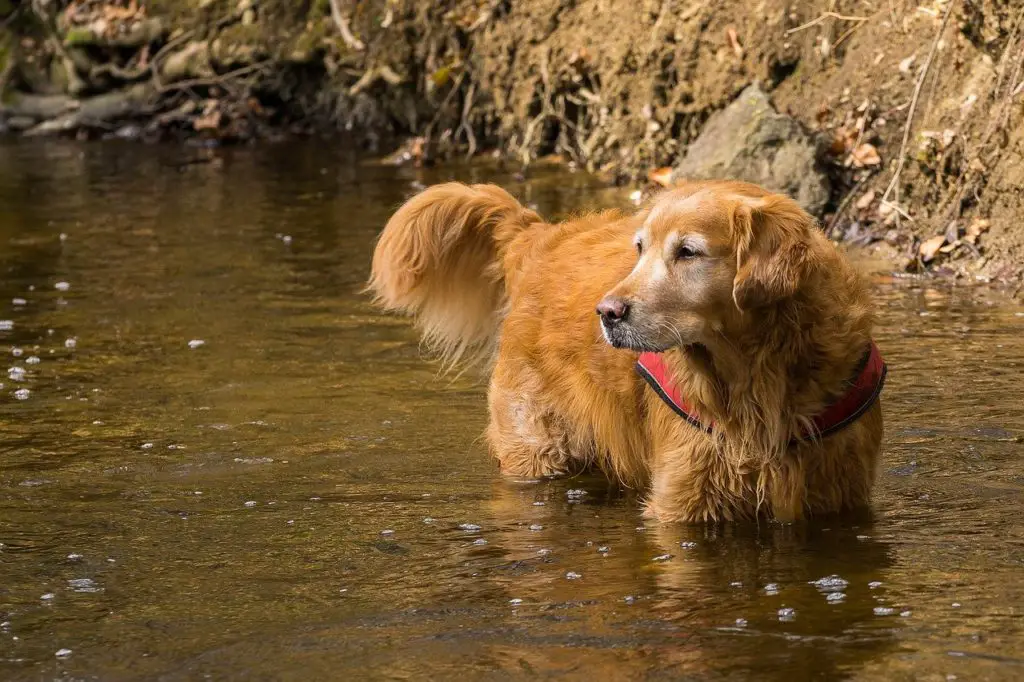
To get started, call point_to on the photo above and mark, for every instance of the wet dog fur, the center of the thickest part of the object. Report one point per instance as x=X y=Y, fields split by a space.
x=761 y=318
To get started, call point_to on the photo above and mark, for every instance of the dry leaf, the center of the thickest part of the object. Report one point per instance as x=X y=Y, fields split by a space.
x=974 y=230
x=907 y=63
x=661 y=176
x=865 y=155
x=208 y=121
x=734 y=40
x=949 y=247
x=930 y=247
x=865 y=200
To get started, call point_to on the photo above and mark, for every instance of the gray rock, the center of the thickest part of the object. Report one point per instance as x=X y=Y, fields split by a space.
x=750 y=141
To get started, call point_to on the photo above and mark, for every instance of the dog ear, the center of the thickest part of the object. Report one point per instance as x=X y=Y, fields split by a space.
x=772 y=237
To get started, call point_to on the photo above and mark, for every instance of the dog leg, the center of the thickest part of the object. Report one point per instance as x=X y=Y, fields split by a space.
x=529 y=440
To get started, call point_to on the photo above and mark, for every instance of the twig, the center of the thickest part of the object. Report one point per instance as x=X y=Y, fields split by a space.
x=343 y=28
x=844 y=204
x=823 y=17
x=215 y=80
x=913 y=105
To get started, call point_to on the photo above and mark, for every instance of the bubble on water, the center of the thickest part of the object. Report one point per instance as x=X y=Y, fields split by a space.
x=291 y=522
x=63 y=653
x=575 y=494
x=543 y=552
x=663 y=557
x=250 y=503
x=875 y=584
x=315 y=499
x=604 y=549
x=906 y=614
x=830 y=583
x=84 y=585
x=62 y=286
x=787 y=614
x=741 y=622
x=573 y=575
x=97 y=422
x=687 y=545
x=196 y=343
x=32 y=360
x=515 y=602
x=479 y=542
x=6 y=325
x=428 y=519
x=539 y=504
x=71 y=343
x=48 y=596
x=835 y=597
x=884 y=610
x=287 y=239
x=955 y=605
x=63 y=236
x=629 y=599
x=536 y=526
x=16 y=373
x=22 y=394
x=640 y=529
x=17 y=352
x=74 y=556
x=18 y=301
x=469 y=526
x=771 y=588
x=146 y=446
x=386 y=531
x=736 y=583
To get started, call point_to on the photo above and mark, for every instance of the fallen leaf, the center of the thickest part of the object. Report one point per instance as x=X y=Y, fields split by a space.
x=930 y=247
x=907 y=63
x=949 y=247
x=865 y=200
x=208 y=121
x=974 y=230
x=843 y=141
x=661 y=176
x=865 y=155
x=734 y=40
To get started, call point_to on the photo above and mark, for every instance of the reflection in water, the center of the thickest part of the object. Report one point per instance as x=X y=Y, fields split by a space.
x=299 y=495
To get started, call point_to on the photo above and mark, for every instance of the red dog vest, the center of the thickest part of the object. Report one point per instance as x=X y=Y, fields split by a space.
x=864 y=389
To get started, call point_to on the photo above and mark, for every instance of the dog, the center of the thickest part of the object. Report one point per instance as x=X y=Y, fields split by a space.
x=729 y=372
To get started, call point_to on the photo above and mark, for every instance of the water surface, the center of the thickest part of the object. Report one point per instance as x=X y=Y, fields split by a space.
x=295 y=494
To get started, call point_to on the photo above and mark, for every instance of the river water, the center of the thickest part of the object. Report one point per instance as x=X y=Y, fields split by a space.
x=217 y=461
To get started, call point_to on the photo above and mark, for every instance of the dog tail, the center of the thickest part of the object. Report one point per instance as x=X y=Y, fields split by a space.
x=440 y=259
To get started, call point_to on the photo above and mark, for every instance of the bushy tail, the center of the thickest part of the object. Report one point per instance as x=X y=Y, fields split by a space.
x=439 y=259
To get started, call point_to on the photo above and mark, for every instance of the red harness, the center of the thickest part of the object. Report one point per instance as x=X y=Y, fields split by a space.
x=864 y=389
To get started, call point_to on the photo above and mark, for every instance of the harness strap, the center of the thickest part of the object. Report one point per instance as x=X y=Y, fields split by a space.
x=862 y=391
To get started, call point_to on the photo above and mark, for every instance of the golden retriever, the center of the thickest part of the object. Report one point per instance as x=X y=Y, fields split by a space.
x=746 y=316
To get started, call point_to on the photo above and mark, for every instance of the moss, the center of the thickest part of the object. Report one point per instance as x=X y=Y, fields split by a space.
x=78 y=37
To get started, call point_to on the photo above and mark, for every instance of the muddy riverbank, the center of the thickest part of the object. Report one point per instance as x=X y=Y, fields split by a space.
x=913 y=109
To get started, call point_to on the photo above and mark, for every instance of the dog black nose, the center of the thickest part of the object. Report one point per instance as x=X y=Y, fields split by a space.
x=612 y=310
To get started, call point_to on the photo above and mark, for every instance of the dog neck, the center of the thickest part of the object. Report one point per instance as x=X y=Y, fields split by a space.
x=764 y=376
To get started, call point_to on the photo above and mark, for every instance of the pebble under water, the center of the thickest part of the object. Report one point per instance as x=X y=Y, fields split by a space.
x=219 y=461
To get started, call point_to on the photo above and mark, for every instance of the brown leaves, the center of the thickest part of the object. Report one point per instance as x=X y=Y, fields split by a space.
x=865 y=154
x=661 y=176
x=930 y=247
x=975 y=229
x=949 y=242
x=865 y=200
x=734 y=42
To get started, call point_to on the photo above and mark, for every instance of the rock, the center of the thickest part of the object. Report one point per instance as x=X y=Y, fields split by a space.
x=749 y=140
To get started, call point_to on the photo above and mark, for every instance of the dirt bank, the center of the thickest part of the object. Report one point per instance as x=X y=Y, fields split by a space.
x=916 y=105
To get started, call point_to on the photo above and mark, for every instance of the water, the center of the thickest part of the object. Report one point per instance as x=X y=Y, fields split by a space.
x=299 y=496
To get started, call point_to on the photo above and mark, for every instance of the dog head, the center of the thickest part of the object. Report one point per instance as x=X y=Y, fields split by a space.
x=707 y=255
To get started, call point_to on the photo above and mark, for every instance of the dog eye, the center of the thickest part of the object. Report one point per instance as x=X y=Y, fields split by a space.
x=639 y=248
x=686 y=253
